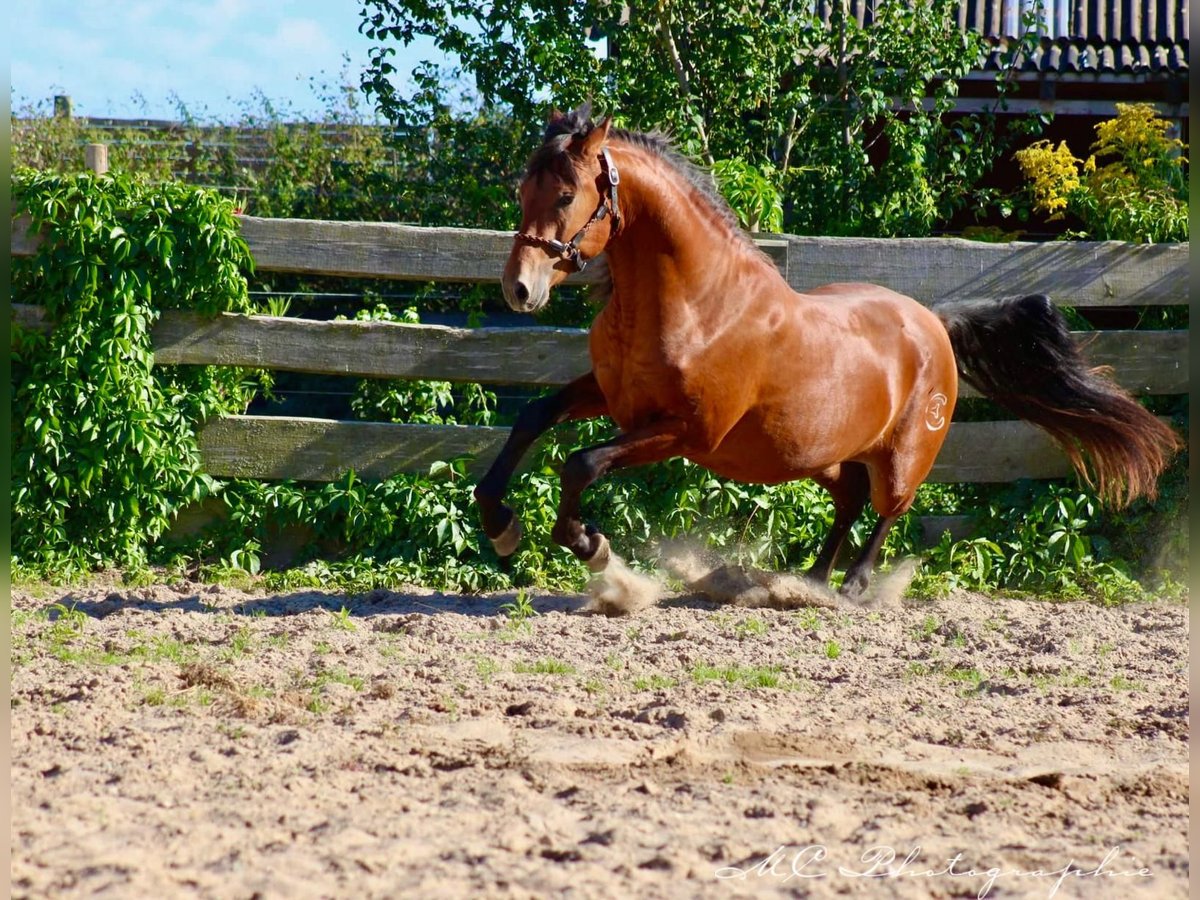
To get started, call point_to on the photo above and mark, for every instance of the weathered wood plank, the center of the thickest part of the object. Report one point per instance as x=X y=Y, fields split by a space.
x=383 y=250
x=322 y=450
x=1082 y=274
x=984 y=452
x=273 y=448
x=31 y=318
x=532 y=356
x=1145 y=362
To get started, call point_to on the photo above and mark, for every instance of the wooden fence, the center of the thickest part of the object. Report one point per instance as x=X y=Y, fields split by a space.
x=1082 y=275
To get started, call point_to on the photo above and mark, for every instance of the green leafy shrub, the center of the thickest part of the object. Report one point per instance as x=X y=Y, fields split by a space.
x=103 y=446
x=756 y=201
x=1140 y=194
x=819 y=107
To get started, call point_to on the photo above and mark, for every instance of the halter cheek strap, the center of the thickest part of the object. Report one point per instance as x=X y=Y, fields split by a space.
x=608 y=206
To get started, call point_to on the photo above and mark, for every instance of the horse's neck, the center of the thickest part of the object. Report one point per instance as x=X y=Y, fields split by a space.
x=675 y=249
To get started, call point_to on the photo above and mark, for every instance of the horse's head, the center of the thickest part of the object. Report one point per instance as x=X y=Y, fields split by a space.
x=568 y=209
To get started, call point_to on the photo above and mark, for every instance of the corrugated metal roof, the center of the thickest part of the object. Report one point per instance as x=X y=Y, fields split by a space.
x=1088 y=57
x=1095 y=21
x=1083 y=36
x=1088 y=36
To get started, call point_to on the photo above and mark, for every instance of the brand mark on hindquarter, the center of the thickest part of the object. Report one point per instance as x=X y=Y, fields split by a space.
x=935 y=412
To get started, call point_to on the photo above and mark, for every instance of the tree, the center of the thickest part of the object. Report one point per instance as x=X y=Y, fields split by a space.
x=819 y=106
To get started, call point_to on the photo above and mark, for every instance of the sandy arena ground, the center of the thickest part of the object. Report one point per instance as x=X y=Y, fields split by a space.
x=189 y=740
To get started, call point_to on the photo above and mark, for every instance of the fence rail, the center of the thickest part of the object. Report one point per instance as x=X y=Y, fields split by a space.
x=1079 y=274
x=1082 y=275
x=1145 y=362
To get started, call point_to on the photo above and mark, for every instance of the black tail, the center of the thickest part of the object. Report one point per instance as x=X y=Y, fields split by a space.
x=1020 y=353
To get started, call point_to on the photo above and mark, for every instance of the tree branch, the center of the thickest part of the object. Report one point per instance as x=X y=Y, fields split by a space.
x=668 y=39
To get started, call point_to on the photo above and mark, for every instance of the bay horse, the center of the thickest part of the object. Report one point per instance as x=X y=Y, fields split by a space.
x=704 y=351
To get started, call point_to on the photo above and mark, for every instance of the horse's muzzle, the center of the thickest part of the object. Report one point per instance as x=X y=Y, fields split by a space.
x=524 y=297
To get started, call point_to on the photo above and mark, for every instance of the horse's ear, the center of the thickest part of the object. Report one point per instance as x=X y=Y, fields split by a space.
x=556 y=115
x=595 y=138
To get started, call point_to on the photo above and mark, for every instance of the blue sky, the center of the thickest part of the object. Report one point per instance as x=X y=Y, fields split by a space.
x=127 y=58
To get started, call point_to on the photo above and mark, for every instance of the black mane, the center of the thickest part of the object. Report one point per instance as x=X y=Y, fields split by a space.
x=551 y=157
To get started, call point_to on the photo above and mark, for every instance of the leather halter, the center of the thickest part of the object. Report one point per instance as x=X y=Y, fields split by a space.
x=608 y=204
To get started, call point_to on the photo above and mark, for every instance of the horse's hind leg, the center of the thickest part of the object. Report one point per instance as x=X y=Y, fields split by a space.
x=850 y=486
x=894 y=479
x=581 y=399
x=859 y=574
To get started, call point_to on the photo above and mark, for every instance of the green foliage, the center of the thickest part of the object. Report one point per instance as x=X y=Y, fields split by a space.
x=757 y=202
x=796 y=108
x=103 y=444
x=1054 y=539
x=345 y=165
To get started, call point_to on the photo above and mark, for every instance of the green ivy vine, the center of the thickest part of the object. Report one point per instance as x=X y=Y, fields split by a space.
x=103 y=443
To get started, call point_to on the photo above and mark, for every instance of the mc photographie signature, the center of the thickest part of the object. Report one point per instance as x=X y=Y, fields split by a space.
x=813 y=861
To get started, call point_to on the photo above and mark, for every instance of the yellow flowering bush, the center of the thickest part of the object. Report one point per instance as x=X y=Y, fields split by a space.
x=1052 y=173
x=1132 y=188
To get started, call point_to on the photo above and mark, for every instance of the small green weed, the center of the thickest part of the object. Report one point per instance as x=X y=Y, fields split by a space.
x=752 y=627
x=544 y=667
x=654 y=683
x=744 y=676
x=486 y=667
x=337 y=676
x=68 y=622
x=808 y=619
x=1121 y=683
x=928 y=627
x=239 y=644
x=341 y=620
x=519 y=610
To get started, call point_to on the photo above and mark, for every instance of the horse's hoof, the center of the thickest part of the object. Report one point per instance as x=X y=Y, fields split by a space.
x=598 y=561
x=509 y=539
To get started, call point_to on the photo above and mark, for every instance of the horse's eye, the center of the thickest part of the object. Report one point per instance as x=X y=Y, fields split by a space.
x=565 y=200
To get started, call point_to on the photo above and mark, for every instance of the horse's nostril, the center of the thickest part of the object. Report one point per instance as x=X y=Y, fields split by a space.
x=520 y=291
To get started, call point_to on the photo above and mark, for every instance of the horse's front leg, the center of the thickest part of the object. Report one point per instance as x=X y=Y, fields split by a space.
x=581 y=399
x=652 y=443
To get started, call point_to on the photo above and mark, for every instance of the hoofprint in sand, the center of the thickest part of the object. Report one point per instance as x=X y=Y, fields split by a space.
x=194 y=740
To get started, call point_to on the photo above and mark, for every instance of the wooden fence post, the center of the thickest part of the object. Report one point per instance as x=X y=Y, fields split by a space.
x=96 y=157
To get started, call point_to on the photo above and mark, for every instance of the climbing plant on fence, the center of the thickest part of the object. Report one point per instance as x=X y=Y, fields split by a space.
x=103 y=444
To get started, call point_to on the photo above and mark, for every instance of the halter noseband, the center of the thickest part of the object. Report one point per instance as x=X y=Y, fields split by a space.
x=608 y=204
